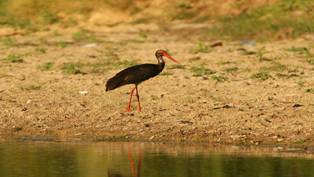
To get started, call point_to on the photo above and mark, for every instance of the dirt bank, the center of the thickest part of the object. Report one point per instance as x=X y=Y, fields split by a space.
x=243 y=92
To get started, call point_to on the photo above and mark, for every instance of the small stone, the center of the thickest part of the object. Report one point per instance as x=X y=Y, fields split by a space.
x=83 y=92
x=78 y=134
x=17 y=129
x=296 y=105
x=91 y=45
x=152 y=137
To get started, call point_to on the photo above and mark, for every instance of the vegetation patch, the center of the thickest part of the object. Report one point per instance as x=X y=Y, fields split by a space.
x=201 y=48
x=165 y=73
x=83 y=36
x=303 y=52
x=199 y=71
x=14 y=58
x=219 y=78
x=46 y=66
x=310 y=90
x=279 y=19
x=41 y=50
x=231 y=69
x=71 y=68
x=9 y=42
x=262 y=75
x=30 y=86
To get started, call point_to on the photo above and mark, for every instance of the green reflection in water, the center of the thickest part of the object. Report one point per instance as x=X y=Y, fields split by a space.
x=130 y=160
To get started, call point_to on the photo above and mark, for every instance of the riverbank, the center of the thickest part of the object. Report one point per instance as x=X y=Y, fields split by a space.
x=236 y=92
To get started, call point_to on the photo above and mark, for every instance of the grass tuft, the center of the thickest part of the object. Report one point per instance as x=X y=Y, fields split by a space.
x=9 y=42
x=201 y=71
x=41 y=50
x=310 y=90
x=219 y=78
x=83 y=36
x=14 y=58
x=201 y=48
x=262 y=75
x=231 y=69
x=71 y=68
x=46 y=66
x=303 y=52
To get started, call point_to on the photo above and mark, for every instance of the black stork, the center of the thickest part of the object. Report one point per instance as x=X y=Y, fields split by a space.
x=137 y=74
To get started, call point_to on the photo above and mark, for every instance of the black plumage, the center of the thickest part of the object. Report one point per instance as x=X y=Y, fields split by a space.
x=137 y=74
x=134 y=75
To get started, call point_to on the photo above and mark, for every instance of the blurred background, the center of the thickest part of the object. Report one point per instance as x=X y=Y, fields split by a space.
x=260 y=19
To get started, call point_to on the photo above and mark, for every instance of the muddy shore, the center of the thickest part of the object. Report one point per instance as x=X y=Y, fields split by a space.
x=243 y=92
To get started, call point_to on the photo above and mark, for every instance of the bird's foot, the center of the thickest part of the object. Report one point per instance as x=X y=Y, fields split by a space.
x=128 y=109
x=139 y=109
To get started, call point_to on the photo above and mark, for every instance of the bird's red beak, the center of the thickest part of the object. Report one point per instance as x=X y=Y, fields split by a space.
x=170 y=57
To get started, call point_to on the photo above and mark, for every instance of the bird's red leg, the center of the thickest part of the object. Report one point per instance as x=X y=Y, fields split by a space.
x=131 y=94
x=139 y=109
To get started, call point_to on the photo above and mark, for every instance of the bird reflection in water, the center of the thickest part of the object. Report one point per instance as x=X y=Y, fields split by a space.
x=134 y=168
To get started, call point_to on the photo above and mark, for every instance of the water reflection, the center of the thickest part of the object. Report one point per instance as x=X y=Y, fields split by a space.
x=138 y=159
x=135 y=170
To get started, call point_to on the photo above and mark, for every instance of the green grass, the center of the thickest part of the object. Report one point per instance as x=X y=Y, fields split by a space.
x=71 y=68
x=63 y=44
x=41 y=50
x=9 y=42
x=49 y=17
x=310 y=90
x=262 y=75
x=201 y=48
x=46 y=66
x=226 y=62
x=266 y=21
x=219 y=78
x=83 y=36
x=231 y=69
x=183 y=11
x=199 y=71
x=165 y=73
x=14 y=58
x=303 y=52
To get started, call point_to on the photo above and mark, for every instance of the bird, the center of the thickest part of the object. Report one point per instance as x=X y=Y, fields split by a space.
x=137 y=74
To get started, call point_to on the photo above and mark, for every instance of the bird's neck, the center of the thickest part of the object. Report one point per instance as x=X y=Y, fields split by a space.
x=161 y=63
x=160 y=60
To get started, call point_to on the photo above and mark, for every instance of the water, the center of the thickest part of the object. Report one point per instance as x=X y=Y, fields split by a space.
x=145 y=160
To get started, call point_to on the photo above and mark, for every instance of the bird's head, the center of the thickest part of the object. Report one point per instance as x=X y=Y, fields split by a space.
x=160 y=53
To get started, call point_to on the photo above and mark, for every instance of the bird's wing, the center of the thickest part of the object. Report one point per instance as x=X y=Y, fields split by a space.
x=134 y=74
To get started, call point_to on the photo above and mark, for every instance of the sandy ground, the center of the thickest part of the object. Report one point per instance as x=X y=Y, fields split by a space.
x=243 y=92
